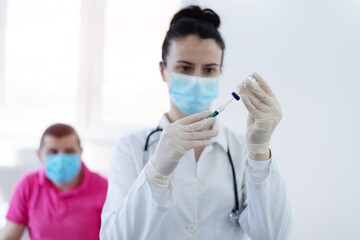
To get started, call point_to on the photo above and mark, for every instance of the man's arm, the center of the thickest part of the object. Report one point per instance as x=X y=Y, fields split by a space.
x=12 y=231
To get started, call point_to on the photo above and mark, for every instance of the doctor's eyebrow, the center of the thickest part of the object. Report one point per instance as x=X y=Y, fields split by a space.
x=190 y=63
x=186 y=62
x=211 y=64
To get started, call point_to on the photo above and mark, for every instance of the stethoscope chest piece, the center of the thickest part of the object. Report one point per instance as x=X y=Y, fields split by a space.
x=234 y=216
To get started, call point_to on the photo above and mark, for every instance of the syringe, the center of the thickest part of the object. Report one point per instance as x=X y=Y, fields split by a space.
x=235 y=95
x=222 y=107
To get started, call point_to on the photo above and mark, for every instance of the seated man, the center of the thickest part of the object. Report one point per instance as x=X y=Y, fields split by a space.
x=64 y=200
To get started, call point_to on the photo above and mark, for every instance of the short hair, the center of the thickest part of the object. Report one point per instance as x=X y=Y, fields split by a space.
x=58 y=130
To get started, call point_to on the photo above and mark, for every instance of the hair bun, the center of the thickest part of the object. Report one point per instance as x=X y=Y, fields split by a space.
x=195 y=12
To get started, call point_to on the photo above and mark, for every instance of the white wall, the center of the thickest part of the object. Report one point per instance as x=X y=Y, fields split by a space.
x=309 y=52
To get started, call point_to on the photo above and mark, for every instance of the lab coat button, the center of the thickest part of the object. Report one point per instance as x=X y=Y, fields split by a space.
x=198 y=187
x=191 y=228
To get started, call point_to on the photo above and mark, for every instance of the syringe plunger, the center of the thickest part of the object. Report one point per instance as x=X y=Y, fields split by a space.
x=236 y=96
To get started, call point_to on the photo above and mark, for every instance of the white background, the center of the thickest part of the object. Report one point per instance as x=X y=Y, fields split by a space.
x=309 y=53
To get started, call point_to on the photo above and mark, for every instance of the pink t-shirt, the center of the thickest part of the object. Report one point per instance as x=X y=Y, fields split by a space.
x=51 y=214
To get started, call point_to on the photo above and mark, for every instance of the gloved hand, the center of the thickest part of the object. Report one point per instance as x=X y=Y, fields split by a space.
x=264 y=113
x=181 y=136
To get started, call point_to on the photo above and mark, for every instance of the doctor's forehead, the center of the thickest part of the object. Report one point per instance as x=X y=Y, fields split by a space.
x=194 y=50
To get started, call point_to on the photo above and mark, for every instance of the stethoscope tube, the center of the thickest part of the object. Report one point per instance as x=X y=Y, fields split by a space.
x=158 y=129
x=235 y=212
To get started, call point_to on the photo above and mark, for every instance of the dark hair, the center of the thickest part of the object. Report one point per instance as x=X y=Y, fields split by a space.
x=193 y=20
x=58 y=130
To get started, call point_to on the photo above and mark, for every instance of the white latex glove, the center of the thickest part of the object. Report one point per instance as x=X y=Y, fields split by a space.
x=264 y=113
x=181 y=136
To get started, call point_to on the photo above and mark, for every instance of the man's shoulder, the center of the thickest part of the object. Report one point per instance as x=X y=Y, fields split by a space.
x=97 y=185
x=31 y=177
x=96 y=177
x=28 y=183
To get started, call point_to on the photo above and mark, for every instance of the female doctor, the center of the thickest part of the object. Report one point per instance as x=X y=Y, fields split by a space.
x=192 y=178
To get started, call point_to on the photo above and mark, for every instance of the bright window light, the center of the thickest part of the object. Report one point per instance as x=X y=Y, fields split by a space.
x=41 y=60
x=133 y=93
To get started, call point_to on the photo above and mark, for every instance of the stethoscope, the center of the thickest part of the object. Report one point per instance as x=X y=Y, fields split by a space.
x=234 y=214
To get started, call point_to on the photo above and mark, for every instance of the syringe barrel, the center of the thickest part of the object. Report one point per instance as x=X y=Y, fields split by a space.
x=220 y=109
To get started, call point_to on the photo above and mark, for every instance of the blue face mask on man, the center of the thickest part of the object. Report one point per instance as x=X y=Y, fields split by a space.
x=62 y=168
x=192 y=94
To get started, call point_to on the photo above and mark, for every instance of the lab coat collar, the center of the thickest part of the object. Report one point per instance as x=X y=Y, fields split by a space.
x=164 y=121
x=220 y=139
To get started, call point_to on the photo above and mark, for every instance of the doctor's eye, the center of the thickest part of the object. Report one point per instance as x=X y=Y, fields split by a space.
x=185 y=68
x=52 y=151
x=70 y=150
x=209 y=70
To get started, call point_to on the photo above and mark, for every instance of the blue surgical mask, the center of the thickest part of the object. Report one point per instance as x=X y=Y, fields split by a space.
x=192 y=94
x=62 y=168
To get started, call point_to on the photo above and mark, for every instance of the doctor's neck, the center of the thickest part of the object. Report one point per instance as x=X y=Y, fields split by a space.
x=174 y=114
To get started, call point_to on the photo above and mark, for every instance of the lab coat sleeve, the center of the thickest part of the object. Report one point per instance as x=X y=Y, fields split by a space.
x=266 y=214
x=134 y=206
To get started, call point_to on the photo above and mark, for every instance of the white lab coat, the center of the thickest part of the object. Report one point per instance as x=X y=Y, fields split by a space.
x=197 y=203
